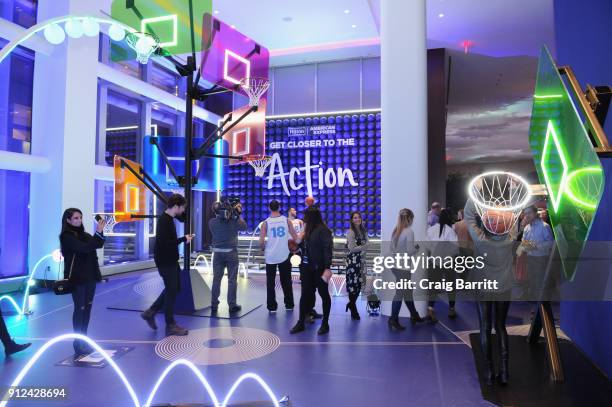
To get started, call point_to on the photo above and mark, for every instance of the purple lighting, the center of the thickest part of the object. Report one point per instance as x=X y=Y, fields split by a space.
x=230 y=55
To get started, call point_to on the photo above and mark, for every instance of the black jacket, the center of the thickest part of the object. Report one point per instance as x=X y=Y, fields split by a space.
x=166 y=242
x=320 y=248
x=79 y=251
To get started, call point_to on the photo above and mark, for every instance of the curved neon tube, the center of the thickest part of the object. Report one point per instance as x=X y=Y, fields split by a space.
x=259 y=380
x=94 y=345
x=570 y=194
x=41 y=26
x=520 y=205
x=12 y=302
x=194 y=369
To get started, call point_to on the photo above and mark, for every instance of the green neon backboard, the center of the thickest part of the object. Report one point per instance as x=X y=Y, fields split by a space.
x=566 y=163
x=167 y=19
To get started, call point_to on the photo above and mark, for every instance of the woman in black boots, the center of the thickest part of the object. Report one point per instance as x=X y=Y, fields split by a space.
x=315 y=270
x=357 y=242
x=81 y=269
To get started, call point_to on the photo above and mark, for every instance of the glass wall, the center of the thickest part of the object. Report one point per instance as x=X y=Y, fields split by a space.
x=122 y=126
x=14 y=222
x=22 y=12
x=16 y=80
x=16 y=84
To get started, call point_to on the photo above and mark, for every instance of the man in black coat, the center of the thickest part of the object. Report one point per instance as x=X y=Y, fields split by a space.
x=166 y=256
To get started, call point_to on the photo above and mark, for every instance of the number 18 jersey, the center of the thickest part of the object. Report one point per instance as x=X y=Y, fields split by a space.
x=277 y=235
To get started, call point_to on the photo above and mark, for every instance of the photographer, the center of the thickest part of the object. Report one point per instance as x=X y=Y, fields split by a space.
x=224 y=228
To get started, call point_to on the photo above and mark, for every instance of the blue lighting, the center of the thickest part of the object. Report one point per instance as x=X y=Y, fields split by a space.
x=134 y=398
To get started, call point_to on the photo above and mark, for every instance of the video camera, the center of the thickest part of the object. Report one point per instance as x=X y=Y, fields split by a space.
x=228 y=208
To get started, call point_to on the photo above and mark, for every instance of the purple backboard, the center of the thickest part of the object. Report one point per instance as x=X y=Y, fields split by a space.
x=230 y=56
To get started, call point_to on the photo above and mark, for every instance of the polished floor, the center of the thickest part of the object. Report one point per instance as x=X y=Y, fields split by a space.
x=359 y=363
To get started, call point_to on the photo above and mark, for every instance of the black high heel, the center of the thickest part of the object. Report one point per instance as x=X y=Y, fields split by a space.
x=416 y=319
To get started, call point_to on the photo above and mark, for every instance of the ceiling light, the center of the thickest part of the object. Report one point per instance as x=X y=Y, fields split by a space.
x=441 y=15
x=347 y=11
x=216 y=11
x=233 y=27
x=354 y=26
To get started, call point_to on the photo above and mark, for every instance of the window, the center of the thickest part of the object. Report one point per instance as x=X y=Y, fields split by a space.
x=14 y=223
x=164 y=119
x=122 y=133
x=16 y=81
x=22 y=12
x=114 y=54
x=165 y=79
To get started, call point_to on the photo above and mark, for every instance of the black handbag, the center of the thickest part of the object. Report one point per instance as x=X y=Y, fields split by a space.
x=61 y=287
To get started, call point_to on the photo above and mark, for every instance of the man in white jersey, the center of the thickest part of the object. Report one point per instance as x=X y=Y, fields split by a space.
x=277 y=229
x=298 y=224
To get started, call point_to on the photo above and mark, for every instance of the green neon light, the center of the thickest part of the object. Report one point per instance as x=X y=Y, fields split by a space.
x=585 y=199
x=548 y=96
x=551 y=133
x=174 y=18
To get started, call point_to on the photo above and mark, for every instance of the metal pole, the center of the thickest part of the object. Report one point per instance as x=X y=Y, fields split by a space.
x=188 y=159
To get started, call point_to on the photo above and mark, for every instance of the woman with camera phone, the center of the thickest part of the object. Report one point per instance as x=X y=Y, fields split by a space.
x=81 y=269
x=315 y=270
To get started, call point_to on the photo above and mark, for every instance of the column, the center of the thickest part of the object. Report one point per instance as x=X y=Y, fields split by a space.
x=63 y=129
x=404 y=115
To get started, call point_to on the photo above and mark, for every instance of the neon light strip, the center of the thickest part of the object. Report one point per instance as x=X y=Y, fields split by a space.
x=259 y=380
x=26 y=294
x=17 y=381
x=12 y=302
x=548 y=96
x=520 y=205
x=195 y=371
x=93 y=344
x=245 y=61
x=556 y=198
x=173 y=18
x=570 y=193
x=41 y=26
x=316 y=114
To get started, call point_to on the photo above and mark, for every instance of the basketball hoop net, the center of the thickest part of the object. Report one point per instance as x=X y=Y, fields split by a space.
x=144 y=44
x=258 y=162
x=109 y=221
x=255 y=88
x=499 y=198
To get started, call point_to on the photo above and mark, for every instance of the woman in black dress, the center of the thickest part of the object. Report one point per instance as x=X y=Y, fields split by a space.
x=356 y=241
x=81 y=269
x=315 y=270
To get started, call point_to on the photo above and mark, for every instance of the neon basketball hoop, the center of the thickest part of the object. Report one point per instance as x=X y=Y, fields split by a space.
x=144 y=44
x=258 y=162
x=255 y=88
x=499 y=198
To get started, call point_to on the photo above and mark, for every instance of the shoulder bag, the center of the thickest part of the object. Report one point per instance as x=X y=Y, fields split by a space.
x=61 y=287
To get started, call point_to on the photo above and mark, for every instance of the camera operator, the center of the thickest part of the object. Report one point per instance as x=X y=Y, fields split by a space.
x=224 y=228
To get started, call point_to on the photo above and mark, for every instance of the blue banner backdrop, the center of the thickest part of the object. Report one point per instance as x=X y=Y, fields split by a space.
x=335 y=158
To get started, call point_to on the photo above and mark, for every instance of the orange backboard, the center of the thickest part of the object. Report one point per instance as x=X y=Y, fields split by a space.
x=130 y=192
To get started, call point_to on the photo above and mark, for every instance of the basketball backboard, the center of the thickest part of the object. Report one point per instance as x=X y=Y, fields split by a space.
x=130 y=192
x=174 y=148
x=248 y=137
x=229 y=56
x=167 y=20
x=566 y=162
